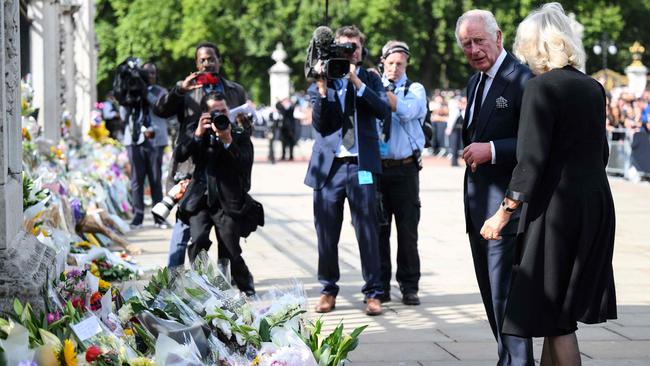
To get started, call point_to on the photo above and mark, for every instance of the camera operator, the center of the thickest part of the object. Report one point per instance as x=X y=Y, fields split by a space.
x=400 y=183
x=223 y=158
x=345 y=163
x=145 y=138
x=183 y=101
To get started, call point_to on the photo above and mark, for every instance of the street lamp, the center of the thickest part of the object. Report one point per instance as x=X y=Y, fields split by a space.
x=603 y=47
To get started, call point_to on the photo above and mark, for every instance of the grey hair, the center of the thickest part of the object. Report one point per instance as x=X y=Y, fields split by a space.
x=485 y=16
x=547 y=39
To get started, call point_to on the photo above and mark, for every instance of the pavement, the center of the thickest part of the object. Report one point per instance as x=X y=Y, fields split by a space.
x=450 y=326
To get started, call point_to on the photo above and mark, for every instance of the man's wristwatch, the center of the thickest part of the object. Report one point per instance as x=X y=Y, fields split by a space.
x=390 y=87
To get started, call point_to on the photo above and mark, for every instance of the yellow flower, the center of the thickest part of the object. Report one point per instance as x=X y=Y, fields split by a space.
x=256 y=361
x=103 y=285
x=94 y=270
x=141 y=361
x=69 y=355
x=128 y=331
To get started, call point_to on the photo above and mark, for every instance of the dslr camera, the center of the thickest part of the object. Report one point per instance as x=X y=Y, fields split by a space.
x=219 y=120
x=334 y=55
x=162 y=209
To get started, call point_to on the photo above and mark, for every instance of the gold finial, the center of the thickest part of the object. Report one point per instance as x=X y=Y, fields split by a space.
x=637 y=51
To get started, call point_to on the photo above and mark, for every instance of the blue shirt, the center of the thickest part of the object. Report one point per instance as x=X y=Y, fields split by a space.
x=406 y=125
x=341 y=86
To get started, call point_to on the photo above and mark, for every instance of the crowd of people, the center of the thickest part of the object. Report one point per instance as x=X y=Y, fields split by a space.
x=532 y=136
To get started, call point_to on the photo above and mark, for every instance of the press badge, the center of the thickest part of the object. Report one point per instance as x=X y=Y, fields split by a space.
x=384 y=148
x=365 y=177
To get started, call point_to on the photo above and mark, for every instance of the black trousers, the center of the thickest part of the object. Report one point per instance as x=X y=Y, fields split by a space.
x=493 y=261
x=146 y=161
x=399 y=188
x=227 y=232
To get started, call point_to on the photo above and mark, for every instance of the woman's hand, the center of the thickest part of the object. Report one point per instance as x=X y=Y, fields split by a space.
x=492 y=227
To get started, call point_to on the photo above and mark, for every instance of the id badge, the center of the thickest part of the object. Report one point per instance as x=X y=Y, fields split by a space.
x=365 y=177
x=384 y=148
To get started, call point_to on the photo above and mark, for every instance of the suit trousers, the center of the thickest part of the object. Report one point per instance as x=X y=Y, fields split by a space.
x=343 y=183
x=146 y=161
x=493 y=261
x=227 y=233
x=399 y=187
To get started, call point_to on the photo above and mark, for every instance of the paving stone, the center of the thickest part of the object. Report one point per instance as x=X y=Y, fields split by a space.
x=450 y=326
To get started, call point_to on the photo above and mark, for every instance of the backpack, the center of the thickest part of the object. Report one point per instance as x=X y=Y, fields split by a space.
x=427 y=127
x=130 y=83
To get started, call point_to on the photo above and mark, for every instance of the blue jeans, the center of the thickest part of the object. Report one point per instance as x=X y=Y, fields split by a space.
x=178 y=243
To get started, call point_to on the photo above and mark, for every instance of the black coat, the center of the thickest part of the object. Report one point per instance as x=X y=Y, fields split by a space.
x=186 y=107
x=565 y=274
x=223 y=172
x=485 y=188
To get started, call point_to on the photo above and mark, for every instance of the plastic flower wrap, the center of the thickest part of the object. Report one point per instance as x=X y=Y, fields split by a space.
x=172 y=353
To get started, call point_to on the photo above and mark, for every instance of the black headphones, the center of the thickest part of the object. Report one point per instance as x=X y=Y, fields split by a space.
x=397 y=48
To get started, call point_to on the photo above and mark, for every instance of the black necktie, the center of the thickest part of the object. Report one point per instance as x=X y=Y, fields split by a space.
x=478 y=100
x=348 y=120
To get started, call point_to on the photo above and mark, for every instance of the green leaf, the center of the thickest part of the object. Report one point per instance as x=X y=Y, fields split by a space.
x=18 y=308
x=265 y=330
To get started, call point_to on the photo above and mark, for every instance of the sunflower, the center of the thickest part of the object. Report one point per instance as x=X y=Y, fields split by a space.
x=69 y=355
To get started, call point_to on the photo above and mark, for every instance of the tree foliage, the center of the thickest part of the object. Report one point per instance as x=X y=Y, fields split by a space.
x=247 y=31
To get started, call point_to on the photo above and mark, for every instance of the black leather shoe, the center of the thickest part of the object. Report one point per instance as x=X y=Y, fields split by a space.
x=410 y=299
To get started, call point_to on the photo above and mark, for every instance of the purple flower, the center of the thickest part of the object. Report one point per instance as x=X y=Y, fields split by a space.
x=73 y=273
x=52 y=317
x=27 y=363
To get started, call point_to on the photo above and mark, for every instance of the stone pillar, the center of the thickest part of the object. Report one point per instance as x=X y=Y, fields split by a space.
x=25 y=263
x=637 y=73
x=46 y=64
x=68 y=9
x=85 y=60
x=279 y=75
x=11 y=204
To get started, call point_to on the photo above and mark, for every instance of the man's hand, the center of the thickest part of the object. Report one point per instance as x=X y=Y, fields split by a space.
x=178 y=191
x=476 y=154
x=224 y=136
x=189 y=83
x=205 y=123
x=354 y=78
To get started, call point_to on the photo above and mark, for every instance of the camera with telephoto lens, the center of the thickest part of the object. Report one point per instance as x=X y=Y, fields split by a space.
x=333 y=55
x=220 y=120
x=162 y=209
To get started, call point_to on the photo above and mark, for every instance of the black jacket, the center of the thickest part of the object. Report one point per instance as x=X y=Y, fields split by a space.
x=222 y=172
x=187 y=107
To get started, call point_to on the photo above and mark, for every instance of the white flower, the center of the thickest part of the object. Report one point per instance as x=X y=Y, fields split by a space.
x=125 y=313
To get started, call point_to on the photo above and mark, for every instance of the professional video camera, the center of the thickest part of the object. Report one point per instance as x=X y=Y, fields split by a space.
x=162 y=209
x=334 y=56
x=130 y=83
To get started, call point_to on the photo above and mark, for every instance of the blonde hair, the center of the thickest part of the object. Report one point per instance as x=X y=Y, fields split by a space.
x=547 y=40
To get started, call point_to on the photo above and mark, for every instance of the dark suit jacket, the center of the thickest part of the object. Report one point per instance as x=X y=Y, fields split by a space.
x=327 y=119
x=484 y=190
x=223 y=172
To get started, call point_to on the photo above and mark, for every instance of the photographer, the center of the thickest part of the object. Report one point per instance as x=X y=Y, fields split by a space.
x=183 y=101
x=145 y=138
x=344 y=164
x=400 y=183
x=223 y=158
